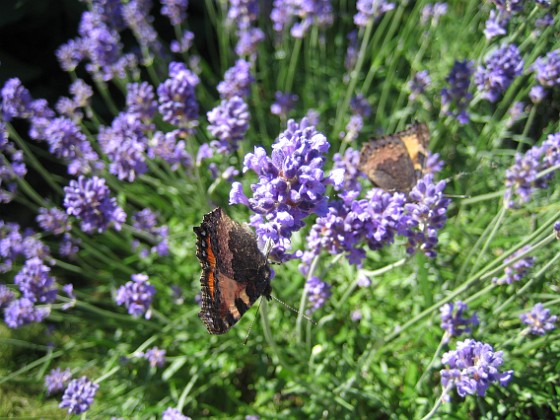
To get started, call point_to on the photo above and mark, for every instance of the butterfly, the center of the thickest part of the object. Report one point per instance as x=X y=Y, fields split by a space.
x=395 y=162
x=235 y=273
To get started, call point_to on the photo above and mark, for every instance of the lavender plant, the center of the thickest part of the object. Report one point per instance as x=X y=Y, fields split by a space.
x=263 y=110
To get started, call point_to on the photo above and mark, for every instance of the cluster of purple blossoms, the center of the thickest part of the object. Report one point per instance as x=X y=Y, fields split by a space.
x=283 y=104
x=184 y=44
x=16 y=100
x=172 y=413
x=175 y=10
x=228 y=123
x=89 y=200
x=359 y=105
x=432 y=13
x=136 y=14
x=452 y=320
x=136 y=296
x=146 y=221
x=522 y=178
x=79 y=395
x=35 y=283
x=502 y=67
x=547 y=73
x=417 y=86
x=237 y=81
x=518 y=269
x=177 y=99
x=6 y=296
x=248 y=41
x=291 y=185
x=155 y=356
x=14 y=243
x=22 y=311
x=243 y=13
x=141 y=100
x=57 y=380
x=473 y=367
x=317 y=292
x=371 y=9
x=70 y=107
x=301 y=16
x=539 y=320
x=171 y=148
x=12 y=166
x=456 y=98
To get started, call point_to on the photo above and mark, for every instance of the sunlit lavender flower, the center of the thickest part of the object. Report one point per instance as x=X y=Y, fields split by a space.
x=417 y=86
x=433 y=164
x=81 y=93
x=518 y=269
x=539 y=320
x=371 y=9
x=502 y=67
x=317 y=292
x=67 y=142
x=300 y=16
x=175 y=10
x=155 y=356
x=353 y=128
x=177 y=99
x=183 y=44
x=495 y=25
x=171 y=148
x=537 y=94
x=243 y=13
x=547 y=69
x=452 y=320
x=14 y=243
x=89 y=200
x=35 y=283
x=136 y=14
x=345 y=174
x=40 y=120
x=473 y=367
x=22 y=311
x=140 y=100
x=16 y=100
x=248 y=42
x=228 y=123
x=57 y=379
x=70 y=54
x=432 y=13
x=6 y=296
x=237 y=81
x=79 y=395
x=427 y=211
x=283 y=104
x=456 y=98
x=291 y=185
x=136 y=296
x=172 y=413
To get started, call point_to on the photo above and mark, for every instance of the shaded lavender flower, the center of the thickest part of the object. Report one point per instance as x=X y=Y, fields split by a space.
x=57 y=380
x=146 y=221
x=248 y=42
x=16 y=100
x=427 y=214
x=69 y=246
x=515 y=113
x=155 y=356
x=81 y=93
x=22 y=311
x=433 y=164
x=417 y=86
x=547 y=69
x=172 y=413
x=299 y=16
x=12 y=166
x=371 y=9
x=291 y=185
x=6 y=296
x=359 y=105
x=35 y=283
x=504 y=65
x=356 y=315
x=317 y=292
x=557 y=230
x=473 y=367
x=204 y=152
x=518 y=269
x=432 y=13
x=136 y=14
x=543 y=22
x=539 y=320
x=184 y=44
x=140 y=100
x=40 y=120
x=125 y=143
x=352 y=50
x=171 y=148
x=79 y=395
x=177 y=295
x=175 y=10
x=177 y=99
x=89 y=200
x=495 y=25
x=69 y=290
x=537 y=94
x=237 y=81
x=228 y=123
x=456 y=98
x=243 y=13
x=509 y=6
x=14 y=243
x=110 y=12
x=543 y=3
x=283 y=104
x=69 y=55
x=67 y=142
x=452 y=320
x=363 y=280
x=353 y=128
x=136 y=296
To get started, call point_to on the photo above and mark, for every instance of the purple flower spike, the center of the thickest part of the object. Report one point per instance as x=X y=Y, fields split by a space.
x=172 y=413
x=456 y=98
x=283 y=104
x=88 y=199
x=22 y=311
x=229 y=122
x=155 y=356
x=473 y=367
x=300 y=16
x=175 y=10
x=79 y=395
x=177 y=99
x=452 y=320
x=317 y=292
x=35 y=283
x=420 y=81
x=6 y=296
x=539 y=320
x=57 y=380
x=137 y=296
x=547 y=69
x=237 y=81
x=518 y=269
x=140 y=100
x=371 y=9
x=16 y=100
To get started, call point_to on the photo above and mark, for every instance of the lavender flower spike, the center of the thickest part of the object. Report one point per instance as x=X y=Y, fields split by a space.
x=539 y=320
x=79 y=395
x=137 y=296
x=452 y=320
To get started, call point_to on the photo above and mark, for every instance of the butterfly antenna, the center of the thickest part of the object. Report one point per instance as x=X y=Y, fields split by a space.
x=252 y=322
x=293 y=309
